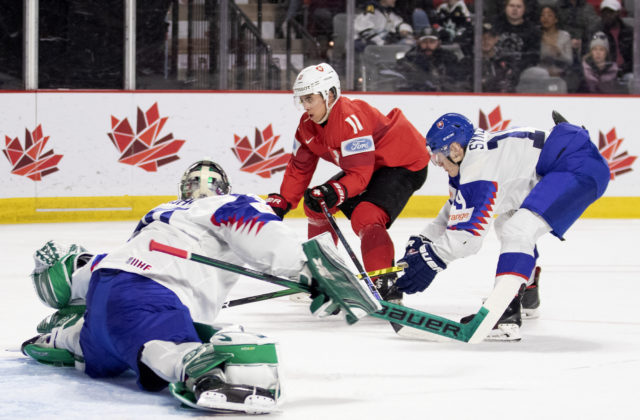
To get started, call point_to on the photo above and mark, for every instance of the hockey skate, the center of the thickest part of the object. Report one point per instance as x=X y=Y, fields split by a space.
x=508 y=326
x=210 y=392
x=41 y=349
x=531 y=297
x=386 y=285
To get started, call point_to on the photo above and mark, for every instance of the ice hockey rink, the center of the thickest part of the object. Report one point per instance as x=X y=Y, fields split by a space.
x=579 y=360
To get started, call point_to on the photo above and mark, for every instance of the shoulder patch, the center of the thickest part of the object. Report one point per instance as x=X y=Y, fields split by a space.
x=357 y=145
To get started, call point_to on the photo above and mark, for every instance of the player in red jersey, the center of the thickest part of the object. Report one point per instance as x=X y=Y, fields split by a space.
x=383 y=160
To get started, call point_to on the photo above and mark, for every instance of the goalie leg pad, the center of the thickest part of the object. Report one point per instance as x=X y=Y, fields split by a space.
x=245 y=380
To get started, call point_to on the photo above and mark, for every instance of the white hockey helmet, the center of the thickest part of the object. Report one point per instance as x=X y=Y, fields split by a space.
x=204 y=178
x=320 y=78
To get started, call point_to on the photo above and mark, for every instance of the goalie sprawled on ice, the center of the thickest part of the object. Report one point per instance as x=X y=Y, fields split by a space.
x=154 y=314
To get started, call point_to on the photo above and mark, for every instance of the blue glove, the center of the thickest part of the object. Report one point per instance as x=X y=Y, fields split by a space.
x=423 y=265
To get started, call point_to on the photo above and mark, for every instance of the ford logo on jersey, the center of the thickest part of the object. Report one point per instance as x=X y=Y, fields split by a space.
x=357 y=145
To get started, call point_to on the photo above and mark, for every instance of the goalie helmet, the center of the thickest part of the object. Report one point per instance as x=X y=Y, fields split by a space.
x=320 y=78
x=447 y=129
x=204 y=178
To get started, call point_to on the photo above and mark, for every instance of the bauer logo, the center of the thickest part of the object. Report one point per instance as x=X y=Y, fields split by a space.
x=358 y=145
x=260 y=158
x=144 y=148
x=31 y=160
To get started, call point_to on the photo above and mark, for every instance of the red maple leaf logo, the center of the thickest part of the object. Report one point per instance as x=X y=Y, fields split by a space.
x=608 y=146
x=143 y=148
x=493 y=122
x=30 y=161
x=260 y=159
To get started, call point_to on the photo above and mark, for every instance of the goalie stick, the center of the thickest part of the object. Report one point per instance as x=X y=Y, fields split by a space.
x=287 y=292
x=473 y=332
x=433 y=325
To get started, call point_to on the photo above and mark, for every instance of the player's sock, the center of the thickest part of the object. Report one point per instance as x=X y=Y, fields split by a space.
x=376 y=247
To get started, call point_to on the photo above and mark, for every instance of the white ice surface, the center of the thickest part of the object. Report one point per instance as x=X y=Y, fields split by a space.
x=579 y=360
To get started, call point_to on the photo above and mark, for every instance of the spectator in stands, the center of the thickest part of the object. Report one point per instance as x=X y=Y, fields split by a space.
x=619 y=34
x=418 y=12
x=600 y=73
x=555 y=45
x=379 y=24
x=454 y=20
x=579 y=18
x=519 y=41
x=430 y=68
x=497 y=75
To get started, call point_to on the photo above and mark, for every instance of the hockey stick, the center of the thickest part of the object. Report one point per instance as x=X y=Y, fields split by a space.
x=413 y=318
x=473 y=332
x=361 y=273
x=286 y=292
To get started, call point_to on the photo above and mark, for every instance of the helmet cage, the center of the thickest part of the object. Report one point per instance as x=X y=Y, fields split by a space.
x=203 y=179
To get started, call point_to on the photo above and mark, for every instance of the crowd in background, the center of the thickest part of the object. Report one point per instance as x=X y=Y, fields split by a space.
x=585 y=46
x=588 y=44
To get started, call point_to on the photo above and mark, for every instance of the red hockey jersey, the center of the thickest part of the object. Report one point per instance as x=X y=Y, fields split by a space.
x=357 y=138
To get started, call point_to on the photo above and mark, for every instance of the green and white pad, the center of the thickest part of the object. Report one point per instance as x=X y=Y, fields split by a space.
x=244 y=358
x=54 y=266
x=336 y=282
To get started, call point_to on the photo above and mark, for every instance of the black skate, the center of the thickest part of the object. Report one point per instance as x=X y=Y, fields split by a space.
x=386 y=285
x=531 y=297
x=212 y=392
x=508 y=326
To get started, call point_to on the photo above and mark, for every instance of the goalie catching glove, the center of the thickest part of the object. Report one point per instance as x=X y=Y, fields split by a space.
x=423 y=265
x=54 y=267
x=336 y=288
x=333 y=193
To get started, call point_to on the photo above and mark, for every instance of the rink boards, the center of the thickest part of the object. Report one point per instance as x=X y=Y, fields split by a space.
x=83 y=156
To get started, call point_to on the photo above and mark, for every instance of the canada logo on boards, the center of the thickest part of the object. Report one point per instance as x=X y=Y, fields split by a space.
x=144 y=147
x=619 y=163
x=492 y=121
x=31 y=160
x=259 y=158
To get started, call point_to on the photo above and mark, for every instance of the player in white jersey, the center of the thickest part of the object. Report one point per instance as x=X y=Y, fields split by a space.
x=532 y=181
x=141 y=305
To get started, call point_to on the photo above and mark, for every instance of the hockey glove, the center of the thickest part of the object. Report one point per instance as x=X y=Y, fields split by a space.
x=54 y=267
x=279 y=205
x=423 y=265
x=333 y=193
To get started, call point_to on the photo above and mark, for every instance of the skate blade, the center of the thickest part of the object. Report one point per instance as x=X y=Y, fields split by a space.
x=531 y=313
x=253 y=404
x=504 y=332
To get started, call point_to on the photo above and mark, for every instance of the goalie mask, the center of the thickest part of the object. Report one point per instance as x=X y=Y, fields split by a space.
x=320 y=78
x=203 y=179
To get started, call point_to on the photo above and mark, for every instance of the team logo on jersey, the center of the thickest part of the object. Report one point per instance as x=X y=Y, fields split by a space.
x=357 y=145
x=259 y=158
x=143 y=148
x=619 y=163
x=31 y=160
